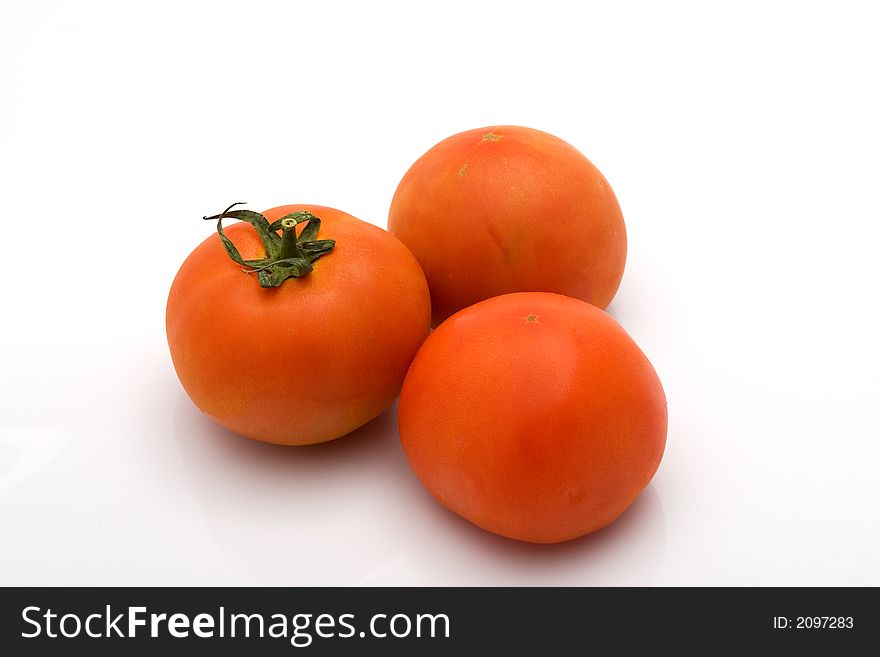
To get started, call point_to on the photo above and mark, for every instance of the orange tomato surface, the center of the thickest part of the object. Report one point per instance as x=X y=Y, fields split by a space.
x=312 y=359
x=509 y=209
x=533 y=415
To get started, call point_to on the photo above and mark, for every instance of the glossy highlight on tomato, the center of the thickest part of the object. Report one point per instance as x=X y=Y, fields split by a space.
x=312 y=358
x=508 y=209
x=533 y=415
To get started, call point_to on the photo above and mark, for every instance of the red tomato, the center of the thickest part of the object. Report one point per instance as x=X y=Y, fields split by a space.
x=312 y=358
x=509 y=209
x=534 y=416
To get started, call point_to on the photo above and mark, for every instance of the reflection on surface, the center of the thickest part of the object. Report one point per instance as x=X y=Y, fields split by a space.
x=352 y=512
x=24 y=451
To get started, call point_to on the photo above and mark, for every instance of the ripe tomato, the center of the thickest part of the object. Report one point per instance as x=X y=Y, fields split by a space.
x=509 y=209
x=312 y=358
x=534 y=416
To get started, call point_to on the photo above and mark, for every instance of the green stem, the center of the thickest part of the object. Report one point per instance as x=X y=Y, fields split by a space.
x=289 y=246
x=287 y=255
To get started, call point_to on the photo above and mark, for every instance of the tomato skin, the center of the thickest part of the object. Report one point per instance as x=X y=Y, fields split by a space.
x=308 y=361
x=521 y=212
x=534 y=416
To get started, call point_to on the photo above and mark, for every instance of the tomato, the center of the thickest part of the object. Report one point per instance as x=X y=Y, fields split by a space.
x=312 y=357
x=533 y=415
x=509 y=209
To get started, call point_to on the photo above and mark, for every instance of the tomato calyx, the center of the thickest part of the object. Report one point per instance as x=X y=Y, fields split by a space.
x=287 y=255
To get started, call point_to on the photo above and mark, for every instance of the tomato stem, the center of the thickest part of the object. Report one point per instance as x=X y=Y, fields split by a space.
x=289 y=247
x=287 y=255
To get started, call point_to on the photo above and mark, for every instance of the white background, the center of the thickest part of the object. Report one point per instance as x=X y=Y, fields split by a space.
x=741 y=138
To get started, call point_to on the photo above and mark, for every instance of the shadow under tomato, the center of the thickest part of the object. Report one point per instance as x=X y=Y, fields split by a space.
x=352 y=511
x=628 y=552
x=249 y=453
x=293 y=515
